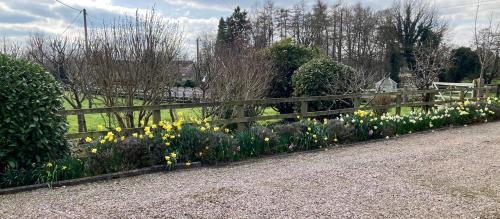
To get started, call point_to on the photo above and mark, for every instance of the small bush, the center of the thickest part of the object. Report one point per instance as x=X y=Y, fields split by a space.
x=136 y=154
x=322 y=77
x=31 y=129
x=103 y=158
x=381 y=101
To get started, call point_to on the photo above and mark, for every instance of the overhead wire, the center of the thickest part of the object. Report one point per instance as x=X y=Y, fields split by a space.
x=70 y=24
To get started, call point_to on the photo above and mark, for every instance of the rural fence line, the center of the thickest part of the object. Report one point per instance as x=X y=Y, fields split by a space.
x=401 y=99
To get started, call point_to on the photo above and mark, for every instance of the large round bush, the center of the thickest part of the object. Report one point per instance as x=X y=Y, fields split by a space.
x=321 y=77
x=286 y=57
x=31 y=129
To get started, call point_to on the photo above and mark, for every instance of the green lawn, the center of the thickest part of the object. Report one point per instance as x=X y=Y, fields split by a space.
x=93 y=120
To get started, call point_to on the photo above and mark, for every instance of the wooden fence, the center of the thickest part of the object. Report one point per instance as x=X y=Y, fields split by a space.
x=361 y=101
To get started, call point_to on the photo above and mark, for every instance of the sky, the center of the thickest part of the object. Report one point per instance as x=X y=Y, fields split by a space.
x=20 y=18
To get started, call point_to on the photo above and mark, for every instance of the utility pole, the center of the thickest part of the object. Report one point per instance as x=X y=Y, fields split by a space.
x=198 y=75
x=86 y=44
x=85 y=28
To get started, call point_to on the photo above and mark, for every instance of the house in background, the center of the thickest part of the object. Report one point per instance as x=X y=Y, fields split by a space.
x=184 y=69
x=386 y=85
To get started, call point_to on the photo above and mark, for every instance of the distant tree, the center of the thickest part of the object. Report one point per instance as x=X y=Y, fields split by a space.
x=464 y=63
x=222 y=35
x=415 y=22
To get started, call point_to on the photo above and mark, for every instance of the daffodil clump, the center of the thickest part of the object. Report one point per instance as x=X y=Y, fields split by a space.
x=196 y=139
x=191 y=140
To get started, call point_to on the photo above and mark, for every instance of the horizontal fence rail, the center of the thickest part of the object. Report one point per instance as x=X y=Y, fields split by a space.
x=400 y=100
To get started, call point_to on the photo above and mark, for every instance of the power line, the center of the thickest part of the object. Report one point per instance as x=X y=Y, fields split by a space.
x=67 y=5
x=470 y=4
x=72 y=22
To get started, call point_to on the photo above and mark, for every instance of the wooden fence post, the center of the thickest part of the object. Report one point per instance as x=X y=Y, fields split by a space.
x=304 y=105
x=156 y=116
x=356 y=102
x=240 y=113
x=462 y=96
x=432 y=100
x=398 y=103
x=486 y=92
x=498 y=90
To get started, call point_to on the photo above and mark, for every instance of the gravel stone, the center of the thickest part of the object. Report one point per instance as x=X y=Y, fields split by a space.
x=452 y=173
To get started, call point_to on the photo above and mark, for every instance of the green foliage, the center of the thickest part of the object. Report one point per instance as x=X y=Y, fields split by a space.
x=103 y=158
x=31 y=129
x=234 y=30
x=287 y=57
x=321 y=77
x=68 y=167
x=464 y=64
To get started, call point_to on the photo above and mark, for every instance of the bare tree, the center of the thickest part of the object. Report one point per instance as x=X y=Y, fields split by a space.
x=66 y=60
x=233 y=75
x=131 y=61
x=430 y=62
x=487 y=45
x=13 y=49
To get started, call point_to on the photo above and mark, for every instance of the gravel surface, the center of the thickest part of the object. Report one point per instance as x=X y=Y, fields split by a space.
x=446 y=174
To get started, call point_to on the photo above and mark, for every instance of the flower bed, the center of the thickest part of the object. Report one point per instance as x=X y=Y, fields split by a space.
x=192 y=140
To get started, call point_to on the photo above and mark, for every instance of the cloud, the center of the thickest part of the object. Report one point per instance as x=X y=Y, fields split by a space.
x=199 y=5
x=20 y=18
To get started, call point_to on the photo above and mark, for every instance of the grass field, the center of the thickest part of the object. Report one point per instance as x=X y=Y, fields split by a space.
x=93 y=120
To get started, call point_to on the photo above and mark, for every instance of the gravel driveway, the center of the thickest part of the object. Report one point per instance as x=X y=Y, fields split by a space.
x=452 y=174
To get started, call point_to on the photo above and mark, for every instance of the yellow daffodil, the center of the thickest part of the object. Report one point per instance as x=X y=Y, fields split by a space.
x=174 y=155
x=147 y=129
x=266 y=139
x=94 y=150
x=188 y=164
x=122 y=138
x=167 y=158
x=135 y=135
x=226 y=130
x=202 y=129
x=49 y=164
x=167 y=144
x=118 y=129
x=64 y=167
x=169 y=163
x=168 y=127
x=153 y=126
x=216 y=128
x=88 y=139
x=103 y=141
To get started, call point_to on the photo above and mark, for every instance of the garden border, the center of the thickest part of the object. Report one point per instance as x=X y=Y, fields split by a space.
x=182 y=166
x=97 y=178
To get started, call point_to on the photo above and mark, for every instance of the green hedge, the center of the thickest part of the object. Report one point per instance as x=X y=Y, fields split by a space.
x=31 y=129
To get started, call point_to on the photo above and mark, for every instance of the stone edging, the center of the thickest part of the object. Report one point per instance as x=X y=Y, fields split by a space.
x=90 y=179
